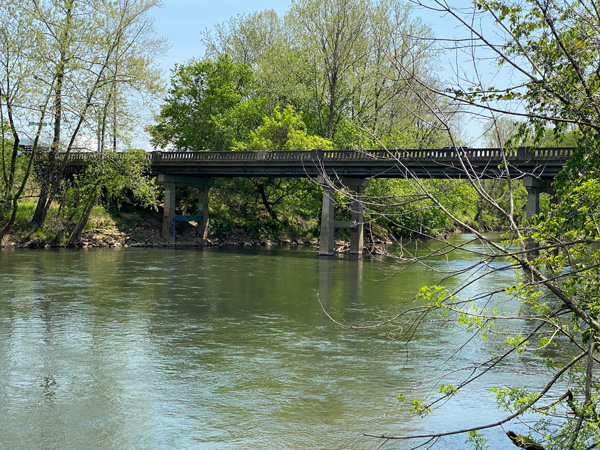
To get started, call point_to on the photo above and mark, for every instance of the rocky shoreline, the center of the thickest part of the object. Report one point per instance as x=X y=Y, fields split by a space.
x=122 y=240
x=150 y=237
x=113 y=238
x=146 y=232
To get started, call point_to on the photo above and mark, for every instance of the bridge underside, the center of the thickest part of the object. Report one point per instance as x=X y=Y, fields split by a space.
x=170 y=217
x=355 y=186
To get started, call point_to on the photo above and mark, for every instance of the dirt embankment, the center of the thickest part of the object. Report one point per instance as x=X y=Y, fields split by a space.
x=145 y=230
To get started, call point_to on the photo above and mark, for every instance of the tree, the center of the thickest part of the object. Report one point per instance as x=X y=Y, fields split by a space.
x=283 y=131
x=85 y=42
x=131 y=82
x=273 y=205
x=333 y=33
x=19 y=91
x=205 y=99
x=549 y=49
x=246 y=39
x=117 y=177
x=330 y=61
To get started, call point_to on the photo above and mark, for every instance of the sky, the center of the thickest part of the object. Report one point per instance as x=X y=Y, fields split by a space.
x=182 y=21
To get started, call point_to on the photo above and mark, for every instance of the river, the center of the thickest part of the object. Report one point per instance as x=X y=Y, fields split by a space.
x=224 y=349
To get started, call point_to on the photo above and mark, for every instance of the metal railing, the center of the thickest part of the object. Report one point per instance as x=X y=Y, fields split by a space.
x=523 y=154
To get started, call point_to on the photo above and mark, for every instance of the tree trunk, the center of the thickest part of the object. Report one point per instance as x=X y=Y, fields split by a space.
x=523 y=441
x=77 y=232
x=51 y=176
x=263 y=195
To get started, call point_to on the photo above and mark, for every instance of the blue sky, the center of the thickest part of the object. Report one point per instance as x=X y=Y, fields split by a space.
x=182 y=21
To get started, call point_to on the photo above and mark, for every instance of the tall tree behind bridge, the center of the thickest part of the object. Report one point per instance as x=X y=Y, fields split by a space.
x=209 y=105
x=331 y=60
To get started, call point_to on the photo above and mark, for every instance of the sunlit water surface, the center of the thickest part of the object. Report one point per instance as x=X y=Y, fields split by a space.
x=226 y=349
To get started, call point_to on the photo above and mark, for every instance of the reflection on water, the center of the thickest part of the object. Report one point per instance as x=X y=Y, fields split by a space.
x=219 y=349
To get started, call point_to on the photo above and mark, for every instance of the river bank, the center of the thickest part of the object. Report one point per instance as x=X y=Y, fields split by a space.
x=133 y=229
x=145 y=231
x=143 y=228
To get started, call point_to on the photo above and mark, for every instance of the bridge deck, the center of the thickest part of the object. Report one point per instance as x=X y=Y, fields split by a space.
x=427 y=163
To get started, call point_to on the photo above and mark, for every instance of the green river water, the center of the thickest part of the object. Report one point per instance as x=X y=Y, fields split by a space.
x=224 y=349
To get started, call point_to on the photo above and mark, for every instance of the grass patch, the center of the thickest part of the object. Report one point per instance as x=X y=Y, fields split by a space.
x=99 y=219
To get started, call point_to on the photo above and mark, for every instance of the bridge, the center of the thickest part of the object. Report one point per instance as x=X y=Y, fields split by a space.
x=542 y=163
x=352 y=169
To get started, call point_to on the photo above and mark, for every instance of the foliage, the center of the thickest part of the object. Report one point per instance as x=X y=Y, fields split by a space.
x=113 y=179
x=331 y=62
x=283 y=131
x=288 y=208
x=402 y=207
x=208 y=107
x=74 y=67
x=18 y=40
x=269 y=207
x=92 y=56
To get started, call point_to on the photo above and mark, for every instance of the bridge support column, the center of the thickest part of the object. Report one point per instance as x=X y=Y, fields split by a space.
x=358 y=219
x=328 y=222
x=326 y=240
x=171 y=182
x=534 y=187
x=169 y=211
x=203 y=191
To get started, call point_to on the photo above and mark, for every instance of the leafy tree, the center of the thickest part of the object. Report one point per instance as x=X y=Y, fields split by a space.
x=332 y=62
x=246 y=39
x=18 y=91
x=208 y=107
x=84 y=43
x=264 y=41
x=333 y=33
x=398 y=206
x=116 y=178
x=272 y=205
x=283 y=131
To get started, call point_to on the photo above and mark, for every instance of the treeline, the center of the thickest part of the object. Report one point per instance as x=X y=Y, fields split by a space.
x=340 y=74
x=73 y=73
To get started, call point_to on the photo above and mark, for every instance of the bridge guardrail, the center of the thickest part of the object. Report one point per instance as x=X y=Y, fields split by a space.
x=523 y=154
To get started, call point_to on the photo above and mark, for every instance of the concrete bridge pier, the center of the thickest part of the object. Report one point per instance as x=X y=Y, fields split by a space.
x=171 y=183
x=328 y=222
x=203 y=207
x=357 y=229
x=326 y=239
x=535 y=187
